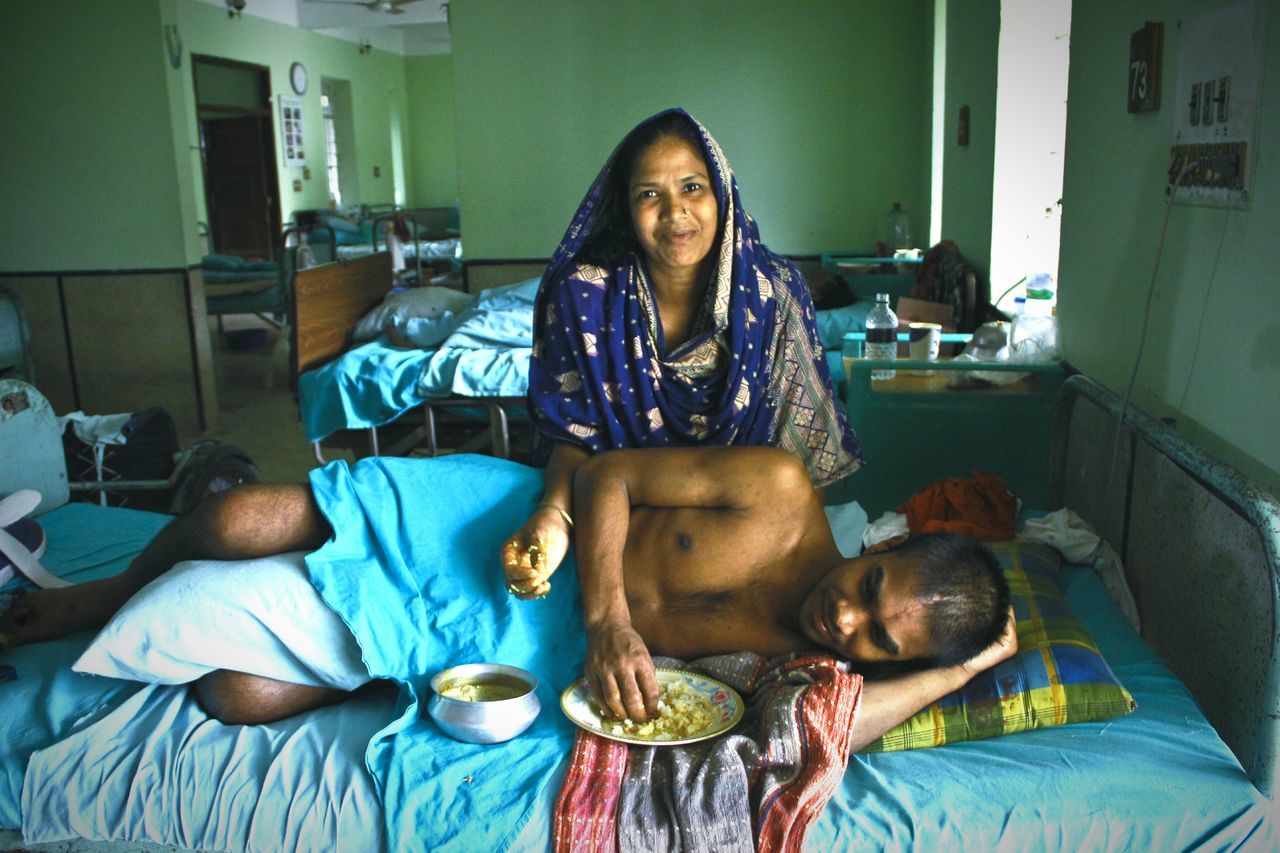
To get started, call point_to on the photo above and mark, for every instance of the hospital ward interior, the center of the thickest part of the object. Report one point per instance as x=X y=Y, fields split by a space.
x=998 y=268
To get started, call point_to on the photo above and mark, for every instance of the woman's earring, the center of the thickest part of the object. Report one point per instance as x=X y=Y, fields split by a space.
x=686 y=211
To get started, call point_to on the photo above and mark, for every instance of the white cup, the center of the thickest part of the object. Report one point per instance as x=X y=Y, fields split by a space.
x=924 y=340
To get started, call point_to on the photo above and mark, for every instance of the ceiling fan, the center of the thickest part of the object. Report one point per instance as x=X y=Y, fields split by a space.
x=391 y=7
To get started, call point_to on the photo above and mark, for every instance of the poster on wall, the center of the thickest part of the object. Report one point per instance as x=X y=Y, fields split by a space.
x=291 y=131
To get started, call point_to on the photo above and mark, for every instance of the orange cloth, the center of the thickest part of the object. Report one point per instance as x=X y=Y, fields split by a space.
x=981 y=507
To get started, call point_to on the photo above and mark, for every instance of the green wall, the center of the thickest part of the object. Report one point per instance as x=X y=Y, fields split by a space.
x=1212 y=352
x=377 y=87
x=821 y=108
x=102 y=167
x=433 y=167
x=88 y=171
x=968 y=172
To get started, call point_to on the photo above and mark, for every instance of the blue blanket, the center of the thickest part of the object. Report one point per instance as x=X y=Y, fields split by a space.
x=413 y=570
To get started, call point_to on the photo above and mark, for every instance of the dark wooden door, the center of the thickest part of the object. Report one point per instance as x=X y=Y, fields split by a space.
x=239 y=192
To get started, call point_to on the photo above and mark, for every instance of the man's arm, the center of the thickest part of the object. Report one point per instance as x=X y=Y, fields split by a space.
x=545 y=527
x=619 y=668
x=888 y=702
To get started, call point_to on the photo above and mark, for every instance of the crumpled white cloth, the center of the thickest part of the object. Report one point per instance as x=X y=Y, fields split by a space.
x=887 y=526
x=96 y=429
x=1073 y=538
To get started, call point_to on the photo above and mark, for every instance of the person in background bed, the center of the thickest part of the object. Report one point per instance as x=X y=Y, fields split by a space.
x=663 y=321
x=684 y=552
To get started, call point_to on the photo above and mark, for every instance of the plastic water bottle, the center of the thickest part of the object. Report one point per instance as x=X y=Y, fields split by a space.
x=897 y=228
x=882 y=335
x=1034 y=338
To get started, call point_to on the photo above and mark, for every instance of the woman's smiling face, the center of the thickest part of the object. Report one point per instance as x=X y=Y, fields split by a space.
x=673 y=206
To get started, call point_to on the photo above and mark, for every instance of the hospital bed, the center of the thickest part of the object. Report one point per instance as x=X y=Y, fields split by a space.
x=433 y=244
x=1193 y=767
x=233 y=285
x=474 y=380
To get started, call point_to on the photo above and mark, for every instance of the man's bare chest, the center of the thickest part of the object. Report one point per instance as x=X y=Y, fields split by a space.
x=710 y=623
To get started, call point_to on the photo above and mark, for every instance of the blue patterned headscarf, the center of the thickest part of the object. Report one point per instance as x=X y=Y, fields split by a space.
x=752 y=373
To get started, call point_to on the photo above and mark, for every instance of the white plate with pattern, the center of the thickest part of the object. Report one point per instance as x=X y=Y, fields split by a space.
x=724 y=711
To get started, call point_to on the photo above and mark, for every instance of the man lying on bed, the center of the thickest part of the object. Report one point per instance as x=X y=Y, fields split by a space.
x=683 y=552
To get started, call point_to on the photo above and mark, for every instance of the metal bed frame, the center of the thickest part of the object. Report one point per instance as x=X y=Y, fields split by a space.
x=1200 y=543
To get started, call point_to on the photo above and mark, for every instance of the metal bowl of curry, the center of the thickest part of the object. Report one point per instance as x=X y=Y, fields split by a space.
x=484 y=702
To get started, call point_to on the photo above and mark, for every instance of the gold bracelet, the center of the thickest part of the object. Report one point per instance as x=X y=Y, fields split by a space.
x=567 y=519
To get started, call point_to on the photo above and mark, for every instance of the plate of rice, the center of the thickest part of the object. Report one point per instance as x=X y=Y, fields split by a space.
x=691 y=707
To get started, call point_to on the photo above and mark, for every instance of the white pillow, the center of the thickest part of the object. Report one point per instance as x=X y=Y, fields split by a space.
x=426 y=303
x=847 y=523
x=262 y=617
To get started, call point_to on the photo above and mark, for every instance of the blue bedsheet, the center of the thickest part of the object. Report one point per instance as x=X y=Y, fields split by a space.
x=48 y=700
x=1157 y=779
x=421 y=596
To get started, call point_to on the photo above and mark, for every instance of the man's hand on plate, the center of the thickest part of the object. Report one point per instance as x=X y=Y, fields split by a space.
x=620 y=673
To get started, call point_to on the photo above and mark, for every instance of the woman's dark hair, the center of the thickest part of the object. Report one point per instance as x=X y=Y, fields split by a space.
x=612 y=234
x=965 y=594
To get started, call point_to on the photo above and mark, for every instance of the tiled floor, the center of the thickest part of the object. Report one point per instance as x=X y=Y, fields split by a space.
x=257 y=411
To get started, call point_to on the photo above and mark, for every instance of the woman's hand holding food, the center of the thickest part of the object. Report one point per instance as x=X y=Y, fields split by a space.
x=535 y=551
x=620 y=673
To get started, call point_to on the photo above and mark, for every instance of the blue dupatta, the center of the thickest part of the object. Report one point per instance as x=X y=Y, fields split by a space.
x=752 y=373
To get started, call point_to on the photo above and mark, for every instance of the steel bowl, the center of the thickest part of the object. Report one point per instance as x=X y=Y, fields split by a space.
x=503 y=702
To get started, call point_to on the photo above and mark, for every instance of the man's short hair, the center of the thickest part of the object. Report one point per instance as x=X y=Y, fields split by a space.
x=964 y=591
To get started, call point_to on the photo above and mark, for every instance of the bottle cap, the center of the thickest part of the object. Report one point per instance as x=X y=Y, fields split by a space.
x=882 y=297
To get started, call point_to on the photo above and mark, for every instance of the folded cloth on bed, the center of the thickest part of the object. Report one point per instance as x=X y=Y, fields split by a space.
x=413 y=570
x=759 y=786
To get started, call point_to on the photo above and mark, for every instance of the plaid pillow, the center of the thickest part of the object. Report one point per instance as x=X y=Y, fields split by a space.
x=1057 y=677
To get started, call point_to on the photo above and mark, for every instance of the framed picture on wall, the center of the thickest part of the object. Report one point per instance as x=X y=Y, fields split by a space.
x=291 y=131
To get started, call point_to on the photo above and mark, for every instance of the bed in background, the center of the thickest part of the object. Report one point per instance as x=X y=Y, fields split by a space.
x=433 y=245
x=473 y=366
x=1192 y=767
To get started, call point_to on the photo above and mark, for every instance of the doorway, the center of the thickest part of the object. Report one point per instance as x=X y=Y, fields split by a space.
x=1031 y=129
x=237 y=152
x=339 y=142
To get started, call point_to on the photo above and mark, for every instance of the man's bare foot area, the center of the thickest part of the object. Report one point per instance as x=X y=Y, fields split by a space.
x=47 y=614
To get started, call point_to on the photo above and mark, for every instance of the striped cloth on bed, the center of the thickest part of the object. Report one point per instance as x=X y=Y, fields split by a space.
x=760 y=786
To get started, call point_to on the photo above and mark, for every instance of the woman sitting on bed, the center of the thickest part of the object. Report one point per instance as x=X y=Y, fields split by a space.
x=662 y=321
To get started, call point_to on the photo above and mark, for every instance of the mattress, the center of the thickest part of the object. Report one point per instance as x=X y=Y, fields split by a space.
x=143 y=763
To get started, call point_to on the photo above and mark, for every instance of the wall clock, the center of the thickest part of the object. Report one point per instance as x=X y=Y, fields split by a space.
x=298 y=77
